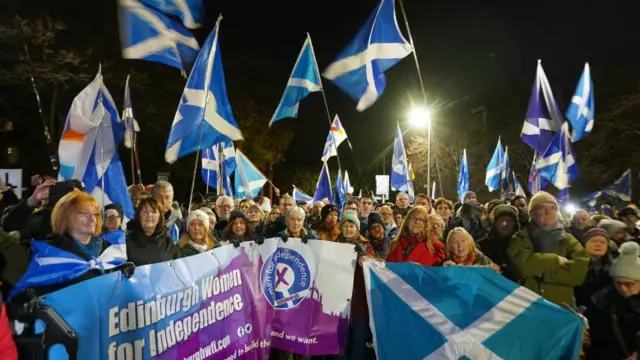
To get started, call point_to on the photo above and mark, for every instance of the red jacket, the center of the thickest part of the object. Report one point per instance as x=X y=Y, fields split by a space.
x=420 y=254
x=8 y=349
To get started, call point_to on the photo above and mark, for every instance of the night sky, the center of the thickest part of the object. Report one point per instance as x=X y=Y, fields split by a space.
x=466 y=51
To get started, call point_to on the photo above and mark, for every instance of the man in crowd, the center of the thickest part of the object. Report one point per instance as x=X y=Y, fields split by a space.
x=162 y=192
x=402 y=204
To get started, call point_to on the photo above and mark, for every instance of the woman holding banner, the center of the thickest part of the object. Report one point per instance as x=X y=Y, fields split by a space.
x=197 y=239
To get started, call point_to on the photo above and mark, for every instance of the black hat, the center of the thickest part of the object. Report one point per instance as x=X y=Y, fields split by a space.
x=327 y=209
x=62 y=188
x=374 y=218
x=505 y=210
x=115 y=207
x=627 y=211
x=237 y=214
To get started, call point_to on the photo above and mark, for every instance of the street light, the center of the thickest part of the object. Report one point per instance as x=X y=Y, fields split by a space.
x=420 y=116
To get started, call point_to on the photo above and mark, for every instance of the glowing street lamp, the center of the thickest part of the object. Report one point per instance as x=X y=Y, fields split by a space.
x=419 y=117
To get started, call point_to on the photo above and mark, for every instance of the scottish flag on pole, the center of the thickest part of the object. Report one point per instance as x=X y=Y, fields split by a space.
x=359 y=69
x=204 y=115
x=191 y=12
x=340 y=197
x=300 y=196
x=581 y=111
x=558 y=165
x=304 y=79
x=211 y=174
x=323 y=187
x=620 y=189
x=463 y=176
x=543 y=117
x=494 y=169
x=149 y=34
x=348 y=189
x=248 y=178
x=400 y=179
x=463 y=312
x=536 y=183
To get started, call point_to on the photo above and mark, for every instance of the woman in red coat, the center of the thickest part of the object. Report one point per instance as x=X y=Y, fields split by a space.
x=413 y=243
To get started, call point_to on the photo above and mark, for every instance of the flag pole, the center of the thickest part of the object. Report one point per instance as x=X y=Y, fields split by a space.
x=326 y=104
x=102 y=168
x=424 y=93
x=439 y=178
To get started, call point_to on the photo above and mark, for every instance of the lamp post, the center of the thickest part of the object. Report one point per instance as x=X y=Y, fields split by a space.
x=419 y=117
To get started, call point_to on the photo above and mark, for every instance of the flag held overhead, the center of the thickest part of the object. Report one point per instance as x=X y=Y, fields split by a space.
x=581 y=111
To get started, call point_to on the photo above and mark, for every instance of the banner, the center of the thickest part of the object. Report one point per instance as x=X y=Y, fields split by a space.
x=227 y=303
x=463 y=312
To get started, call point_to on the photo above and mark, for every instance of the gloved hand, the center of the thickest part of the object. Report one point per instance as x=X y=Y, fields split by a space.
x=284 y=237
x=235 y=242
x=304 y=239
x=259 y=240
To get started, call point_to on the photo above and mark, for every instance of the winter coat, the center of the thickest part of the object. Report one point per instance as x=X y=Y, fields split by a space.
x=542 y=272
x=32 y=223
x=597 y=279
x=8 y=350
x=321 y=232
x=306 y=235
x=400 y=251
x=496 y=249
x=144 y=250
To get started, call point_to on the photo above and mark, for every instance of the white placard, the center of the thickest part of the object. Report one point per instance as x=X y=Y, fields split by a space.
x=382 y=185
x=13 y=178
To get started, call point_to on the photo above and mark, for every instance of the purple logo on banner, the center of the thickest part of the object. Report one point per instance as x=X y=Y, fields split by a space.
x=285 y=279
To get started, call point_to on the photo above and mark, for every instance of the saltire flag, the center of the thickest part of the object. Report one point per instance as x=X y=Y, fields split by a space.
x=330 y=148
x=88 y=148
x=518 y=188
x=340 y=197
x=581 y=111
x=463 y=312
x=130 y=123
x=535 y=181
x=620 y=189
x=543 y=119
x=323 y=186
x=147 y=33
x=359 y=69
x=558 y=165
x=116 y=253
x=494 y=169
x=249 y=180
x=304 y=79
x=463 y=176
x=400 y=178
x=301 y=196
x=506 y=182
x=211 y=174
x=204 y=117
x=348 y=189
x=190 y=12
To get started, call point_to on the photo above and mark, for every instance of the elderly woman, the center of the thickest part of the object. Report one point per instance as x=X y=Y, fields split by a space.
x=256 y=218
x=147 y=239
x=614 y=316
x=197 y=239
x=238 y=230
x=294 y=219
x=112 y=218
x=327 y=227
x=462 y=250
x=413 y=243
x=596 y=243
x=390 y=227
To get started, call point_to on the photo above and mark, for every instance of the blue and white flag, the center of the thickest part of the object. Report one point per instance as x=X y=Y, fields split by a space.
x=463 y=312
x=563 y=197
x=149 y=34
x=204 y=117
x=620 y=189
x=300 y=196
x=506 y=182
x=212 y=175
x=518 y=188
x=400 y=179
x=359 y=69
x=340 y=197
x=543 y=119
x=191 y=12
x=116 y=253
x=249 y=180
x=348 y=189
x=304 y=80
x=130 y=123
x=494 y=169
x=536 y=183
x=558 y=165
x=330 y=148
x=463 y=176
x=323 y=187
x=582 y=110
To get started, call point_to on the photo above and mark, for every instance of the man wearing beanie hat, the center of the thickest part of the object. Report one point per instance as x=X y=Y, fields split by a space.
x=504 y=223
x=327 y=227
x=113 y=215
x=551 y=261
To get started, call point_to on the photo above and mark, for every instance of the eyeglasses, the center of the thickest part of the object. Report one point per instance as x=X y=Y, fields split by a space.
x=112 y=217
x=86 y=215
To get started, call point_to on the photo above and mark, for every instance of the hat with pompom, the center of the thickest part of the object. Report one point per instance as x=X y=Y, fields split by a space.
x=627 y=264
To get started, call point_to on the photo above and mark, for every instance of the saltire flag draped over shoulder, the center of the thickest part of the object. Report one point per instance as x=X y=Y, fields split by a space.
x=147 y=33
x=463 y=312
x=130 y=123
x=400 y=175
x=581 y=111
x=88 y=148
x=620 y=189
x=212 y=173
x=304 y=79
x=323 y=187
x=359 y=69
x=204 y=115
x=543 y=117
x=463 y=176
x=248 y=178
x=558 y=165
x=494 y=169
x=300 y=196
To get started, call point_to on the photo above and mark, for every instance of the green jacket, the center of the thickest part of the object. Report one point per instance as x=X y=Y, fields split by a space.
x=542 y=272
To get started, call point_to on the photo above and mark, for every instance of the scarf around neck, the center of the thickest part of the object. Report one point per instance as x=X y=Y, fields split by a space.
x=545 y=241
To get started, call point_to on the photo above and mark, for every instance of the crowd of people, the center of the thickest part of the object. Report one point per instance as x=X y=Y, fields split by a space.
x=588 y=263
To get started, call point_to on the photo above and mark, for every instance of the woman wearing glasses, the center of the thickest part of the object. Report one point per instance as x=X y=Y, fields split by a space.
x=413 y=243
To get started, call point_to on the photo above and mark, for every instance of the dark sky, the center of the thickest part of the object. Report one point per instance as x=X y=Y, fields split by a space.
x=466 y=49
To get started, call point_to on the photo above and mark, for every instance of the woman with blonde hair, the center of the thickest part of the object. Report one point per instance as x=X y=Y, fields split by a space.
x=197 y=238
x=462 y=250
x=413 y=243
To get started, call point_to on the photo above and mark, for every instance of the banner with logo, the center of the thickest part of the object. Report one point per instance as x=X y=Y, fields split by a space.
x=228 y=303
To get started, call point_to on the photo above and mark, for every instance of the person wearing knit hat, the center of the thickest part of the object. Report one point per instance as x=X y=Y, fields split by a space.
x=197 y=238
x=198 y=215
x=469 y=196
x=212 y=217
x=596 y=242
x=492 y=205
x=616 y=231
x=629 y=216
x=327 y=227
x=540 y=198
x=352 y=217
x=504 y=223
x=626 y=269
x=113 y=215
x=376 y=235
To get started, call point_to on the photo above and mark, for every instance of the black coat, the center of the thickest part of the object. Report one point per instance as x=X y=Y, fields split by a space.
x=20 y=217
x=144 y=250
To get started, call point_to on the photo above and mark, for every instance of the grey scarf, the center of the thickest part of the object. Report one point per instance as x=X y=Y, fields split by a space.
x=545 y=241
